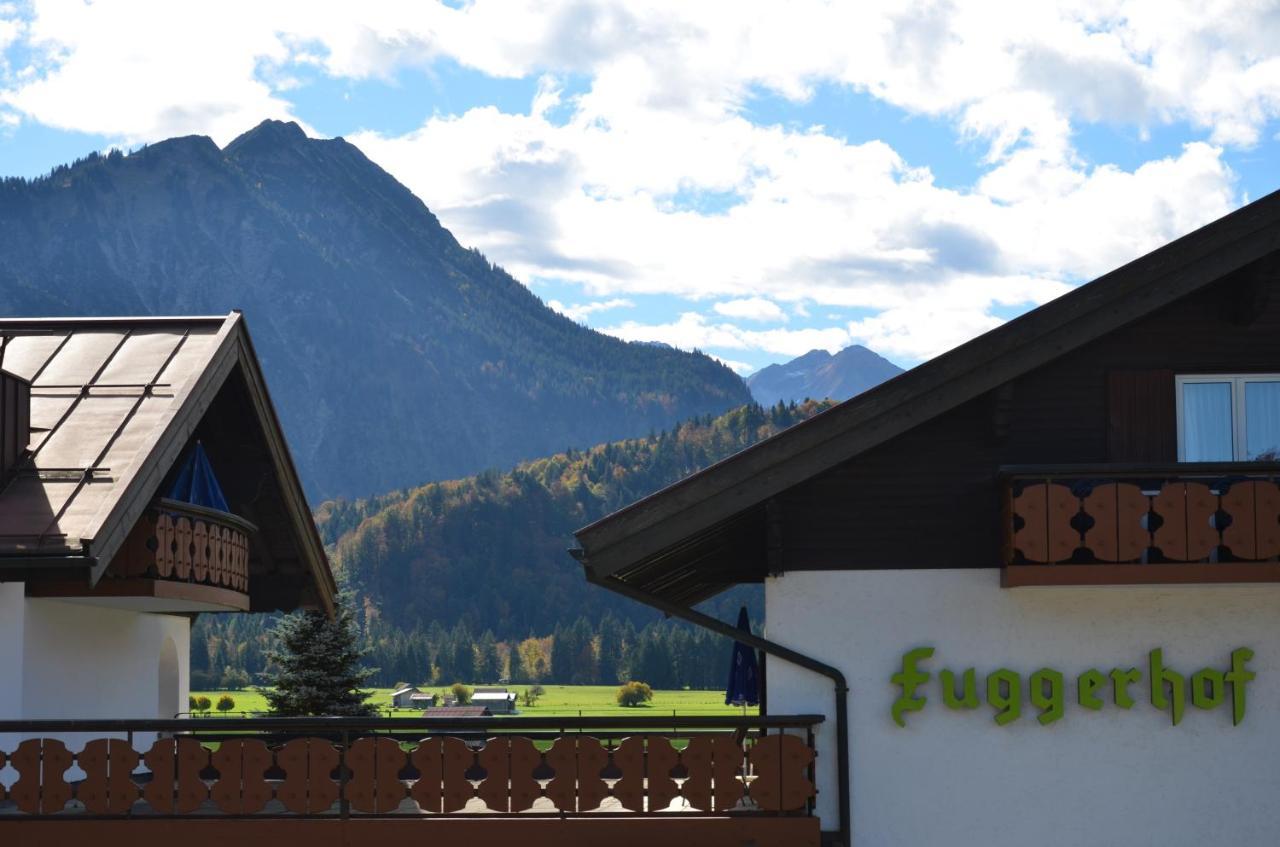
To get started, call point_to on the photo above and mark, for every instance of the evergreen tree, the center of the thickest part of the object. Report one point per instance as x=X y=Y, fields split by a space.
x=487 y=669
x=562 y=652
x=584 y=654
x=318 y=666
x=610 y=658
x=463 y=663
x=518 y=672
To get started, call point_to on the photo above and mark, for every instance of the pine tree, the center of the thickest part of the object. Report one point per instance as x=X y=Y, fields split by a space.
x=610 y=650
x=518 y=673
x=562 y=653
x=318 y=666
x=487 y=669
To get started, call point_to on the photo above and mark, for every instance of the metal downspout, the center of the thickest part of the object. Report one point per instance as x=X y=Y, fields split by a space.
x=772 y=649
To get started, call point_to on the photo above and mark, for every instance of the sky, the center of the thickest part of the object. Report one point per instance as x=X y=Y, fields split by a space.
x=751 y=179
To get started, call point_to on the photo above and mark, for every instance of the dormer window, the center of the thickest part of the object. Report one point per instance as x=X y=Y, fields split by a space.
x=1228 y=418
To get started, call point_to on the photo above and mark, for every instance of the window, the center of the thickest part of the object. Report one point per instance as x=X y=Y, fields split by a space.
x=1225 y=418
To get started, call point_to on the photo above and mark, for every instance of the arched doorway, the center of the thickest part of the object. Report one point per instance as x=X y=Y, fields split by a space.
x=168 y=704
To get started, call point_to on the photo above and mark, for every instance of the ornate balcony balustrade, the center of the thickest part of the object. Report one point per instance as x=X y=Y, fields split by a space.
x=186 y=543
x=335 y=767
x=1179 y=523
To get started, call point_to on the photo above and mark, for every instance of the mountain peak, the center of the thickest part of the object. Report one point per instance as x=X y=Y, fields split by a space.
x=819 y=375
x=267 y=135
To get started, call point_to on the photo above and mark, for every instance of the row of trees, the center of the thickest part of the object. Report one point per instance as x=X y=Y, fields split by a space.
x=611 y=651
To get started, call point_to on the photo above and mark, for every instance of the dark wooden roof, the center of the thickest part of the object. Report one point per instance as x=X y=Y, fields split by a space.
x=683 y=542
x=115 y=403
x=458 y=712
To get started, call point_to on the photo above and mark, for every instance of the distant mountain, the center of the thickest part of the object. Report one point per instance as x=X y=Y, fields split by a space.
x=395 y=356
x=818 y=375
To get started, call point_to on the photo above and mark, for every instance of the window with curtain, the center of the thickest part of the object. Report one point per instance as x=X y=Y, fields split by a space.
x=1228 y=418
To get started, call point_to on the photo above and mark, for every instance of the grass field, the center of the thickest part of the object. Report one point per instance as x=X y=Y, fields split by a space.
x=558 y=701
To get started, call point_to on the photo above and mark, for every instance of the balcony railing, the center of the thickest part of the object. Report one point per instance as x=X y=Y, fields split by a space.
x=1131 y=523
x=346 y=767
x=181 y=542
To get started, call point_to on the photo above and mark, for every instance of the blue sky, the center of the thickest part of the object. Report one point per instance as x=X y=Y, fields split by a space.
x=750 y=179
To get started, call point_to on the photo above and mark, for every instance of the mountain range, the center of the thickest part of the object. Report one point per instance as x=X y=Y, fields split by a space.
x=394 y=354
x=818 y=375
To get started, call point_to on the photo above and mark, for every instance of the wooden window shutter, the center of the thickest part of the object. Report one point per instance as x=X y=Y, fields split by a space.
x=1142 y=423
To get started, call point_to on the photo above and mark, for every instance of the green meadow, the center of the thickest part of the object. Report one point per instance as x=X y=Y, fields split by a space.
x=557 y=701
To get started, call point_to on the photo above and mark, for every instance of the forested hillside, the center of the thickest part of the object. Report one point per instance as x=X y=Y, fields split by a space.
x=452 y=577
x=393 y=354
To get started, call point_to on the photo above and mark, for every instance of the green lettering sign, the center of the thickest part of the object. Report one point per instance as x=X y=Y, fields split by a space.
x=910 y=678
x=1087 y=686
x=1004 y=694
x=1046 y=688
x=1046 y=695
x=968 y=699
x=1160 y=676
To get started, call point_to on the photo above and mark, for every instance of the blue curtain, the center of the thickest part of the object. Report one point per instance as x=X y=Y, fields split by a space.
x=1206 y=422
x=1262 y=418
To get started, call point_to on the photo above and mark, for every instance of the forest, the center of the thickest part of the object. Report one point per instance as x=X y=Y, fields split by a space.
x=470 y=579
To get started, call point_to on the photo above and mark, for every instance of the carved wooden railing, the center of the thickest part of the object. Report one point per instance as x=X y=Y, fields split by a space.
x=347 y=767
x=1190 y=514
x=187 y=543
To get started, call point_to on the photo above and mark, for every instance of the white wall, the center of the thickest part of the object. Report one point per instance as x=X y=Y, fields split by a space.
x=12 y=617
x=86 y=661
x=12 y=608
x=1107 y=777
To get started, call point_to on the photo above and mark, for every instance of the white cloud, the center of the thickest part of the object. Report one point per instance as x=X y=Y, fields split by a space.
x=580 y=311
x=692 y=331
x=666 y=108
x=752 y=309
x=740 y=368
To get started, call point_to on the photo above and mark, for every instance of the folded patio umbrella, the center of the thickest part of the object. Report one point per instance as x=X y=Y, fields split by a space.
x=196 y=483
x=744 y=673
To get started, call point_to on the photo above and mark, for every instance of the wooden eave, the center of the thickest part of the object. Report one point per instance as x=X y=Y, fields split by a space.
x=637 y=536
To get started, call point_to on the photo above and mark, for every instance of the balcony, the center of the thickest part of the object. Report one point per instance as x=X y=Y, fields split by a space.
x=178 y=558
x=1135 y=524
x=614 y=781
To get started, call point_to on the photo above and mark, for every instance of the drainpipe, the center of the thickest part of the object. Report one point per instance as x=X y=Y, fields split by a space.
x=772 y=649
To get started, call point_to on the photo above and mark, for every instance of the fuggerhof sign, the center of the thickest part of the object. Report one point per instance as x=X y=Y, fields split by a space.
x=1005 y=691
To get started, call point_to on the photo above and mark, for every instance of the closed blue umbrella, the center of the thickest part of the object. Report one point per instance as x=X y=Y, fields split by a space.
x=744 y=674
x=196 y=483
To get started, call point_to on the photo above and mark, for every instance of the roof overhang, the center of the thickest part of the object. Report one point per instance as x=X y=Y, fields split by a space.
x=677 y=543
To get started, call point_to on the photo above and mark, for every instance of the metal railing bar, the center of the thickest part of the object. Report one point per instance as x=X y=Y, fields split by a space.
x=337 y=724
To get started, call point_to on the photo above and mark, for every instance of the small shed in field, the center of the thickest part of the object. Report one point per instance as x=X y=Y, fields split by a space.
x=422 y=701
x=400 y=698
x=499 y=701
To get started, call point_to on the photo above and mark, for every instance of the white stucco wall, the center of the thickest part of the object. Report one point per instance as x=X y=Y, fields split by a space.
x=12 y=608
x=86 y=661
x=1108 y=777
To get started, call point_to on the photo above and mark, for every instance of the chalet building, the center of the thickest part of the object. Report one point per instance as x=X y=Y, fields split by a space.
x=144 y=479
x=1031 y=583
